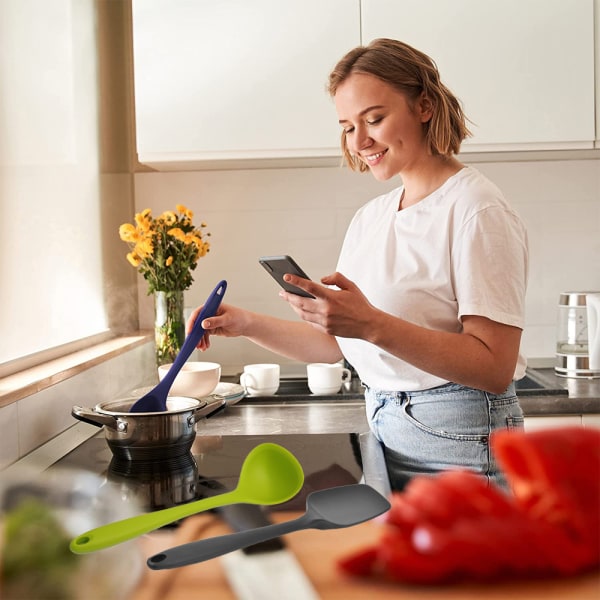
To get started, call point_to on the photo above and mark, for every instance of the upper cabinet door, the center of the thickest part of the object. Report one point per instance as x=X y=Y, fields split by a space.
x=523 y=69
x=237 y=79
x=597 y=13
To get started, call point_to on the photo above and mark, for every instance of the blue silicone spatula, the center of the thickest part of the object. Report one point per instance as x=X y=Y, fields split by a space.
x=156 y=399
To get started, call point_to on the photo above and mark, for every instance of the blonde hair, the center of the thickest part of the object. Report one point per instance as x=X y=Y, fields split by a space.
x=412 y=73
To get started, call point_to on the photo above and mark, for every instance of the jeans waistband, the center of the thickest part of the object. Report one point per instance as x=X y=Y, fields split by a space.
x=446 y=388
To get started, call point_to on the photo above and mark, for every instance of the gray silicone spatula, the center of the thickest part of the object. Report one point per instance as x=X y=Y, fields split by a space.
x=332 y=508
x=156 y=399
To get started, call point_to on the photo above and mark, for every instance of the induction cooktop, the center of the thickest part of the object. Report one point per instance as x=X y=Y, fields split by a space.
x=213 y=466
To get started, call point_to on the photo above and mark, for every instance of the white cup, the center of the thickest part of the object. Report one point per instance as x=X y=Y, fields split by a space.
x=260 y=379
x=324 y=378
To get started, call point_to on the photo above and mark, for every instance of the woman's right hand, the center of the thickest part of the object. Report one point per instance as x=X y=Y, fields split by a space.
x=229 y=321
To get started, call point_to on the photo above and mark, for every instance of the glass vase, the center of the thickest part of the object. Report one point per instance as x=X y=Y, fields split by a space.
x=169 y=325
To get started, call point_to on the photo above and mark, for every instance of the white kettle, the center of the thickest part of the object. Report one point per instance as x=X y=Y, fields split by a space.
x=578 y=336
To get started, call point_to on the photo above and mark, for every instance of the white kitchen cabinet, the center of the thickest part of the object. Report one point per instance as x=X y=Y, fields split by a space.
x=597 y=13
x=536 y=423
x=234 y=79
x=590 y=420
x=524 y=69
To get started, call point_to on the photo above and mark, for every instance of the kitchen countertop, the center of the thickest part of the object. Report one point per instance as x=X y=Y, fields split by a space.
x=346 y=409
x=340 y=413
x=256 y=417
x=345 y=412
x=583 y=396
x=317 y=553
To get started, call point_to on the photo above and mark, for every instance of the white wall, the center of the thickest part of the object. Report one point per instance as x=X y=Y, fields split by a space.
x=304 y=212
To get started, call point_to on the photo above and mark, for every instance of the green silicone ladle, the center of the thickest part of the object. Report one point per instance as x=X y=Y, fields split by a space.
x=270 y=475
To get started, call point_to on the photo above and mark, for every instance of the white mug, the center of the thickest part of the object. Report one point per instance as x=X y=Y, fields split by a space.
x=260 y=379
x=325 y=378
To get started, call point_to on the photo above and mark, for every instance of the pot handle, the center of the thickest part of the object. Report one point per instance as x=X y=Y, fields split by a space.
x=93 y=418
x=210 y=410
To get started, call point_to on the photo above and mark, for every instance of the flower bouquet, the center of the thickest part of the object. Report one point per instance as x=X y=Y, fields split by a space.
x=165 y=250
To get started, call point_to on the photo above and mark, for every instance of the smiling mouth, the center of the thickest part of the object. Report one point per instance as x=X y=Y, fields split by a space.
x=374 y=158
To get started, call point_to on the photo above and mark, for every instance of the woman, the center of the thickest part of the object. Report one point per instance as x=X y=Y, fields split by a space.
x=427 y=302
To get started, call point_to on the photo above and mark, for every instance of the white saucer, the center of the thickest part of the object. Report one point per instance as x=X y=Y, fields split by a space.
x=232 y=392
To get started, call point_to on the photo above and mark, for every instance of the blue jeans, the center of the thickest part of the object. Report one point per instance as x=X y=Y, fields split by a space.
x=447 y=427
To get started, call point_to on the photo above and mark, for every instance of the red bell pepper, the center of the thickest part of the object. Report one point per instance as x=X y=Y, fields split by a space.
x=455 y=525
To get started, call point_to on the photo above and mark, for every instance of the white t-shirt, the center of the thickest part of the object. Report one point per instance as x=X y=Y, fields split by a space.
x=462 y=250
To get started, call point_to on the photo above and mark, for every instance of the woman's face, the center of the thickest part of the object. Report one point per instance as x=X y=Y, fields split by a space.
x=382 y=129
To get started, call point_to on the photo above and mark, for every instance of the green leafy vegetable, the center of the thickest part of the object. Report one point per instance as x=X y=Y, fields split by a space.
x=36 y=560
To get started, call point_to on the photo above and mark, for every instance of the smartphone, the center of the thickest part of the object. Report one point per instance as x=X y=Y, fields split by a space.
x=278 y=266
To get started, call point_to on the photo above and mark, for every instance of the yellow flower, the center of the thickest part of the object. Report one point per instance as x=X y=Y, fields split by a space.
x=144 y=220
x=202 y=250
x=128 y=233
x=186 y=212
x=134 y=259
x=144 y=248
x=177 y=233
x=169 y=217
x=165 y=250
x=194 y=239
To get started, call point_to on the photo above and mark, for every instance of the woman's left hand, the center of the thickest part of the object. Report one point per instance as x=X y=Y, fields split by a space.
x=344 y=312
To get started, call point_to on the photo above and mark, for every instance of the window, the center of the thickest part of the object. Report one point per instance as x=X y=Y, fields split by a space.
x=51 y=269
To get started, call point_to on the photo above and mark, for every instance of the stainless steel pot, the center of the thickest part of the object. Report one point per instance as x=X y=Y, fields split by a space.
x=147 y=436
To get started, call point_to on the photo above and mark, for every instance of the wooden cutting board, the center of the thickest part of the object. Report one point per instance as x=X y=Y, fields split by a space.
x=317 y=552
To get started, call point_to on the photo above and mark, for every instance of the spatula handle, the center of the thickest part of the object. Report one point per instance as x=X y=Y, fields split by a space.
x=194 y=552
x=208 y=310
x=191 y=341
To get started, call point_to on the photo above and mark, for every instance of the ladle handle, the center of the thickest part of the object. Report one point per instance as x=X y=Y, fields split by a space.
x=127 y=529
x=194 y=552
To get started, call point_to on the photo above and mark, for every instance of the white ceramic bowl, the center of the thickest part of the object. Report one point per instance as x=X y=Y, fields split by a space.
x=195 y=380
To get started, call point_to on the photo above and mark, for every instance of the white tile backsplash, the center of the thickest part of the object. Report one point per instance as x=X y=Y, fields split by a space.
x=304 y=212
x=9 y=435
x=28 y=423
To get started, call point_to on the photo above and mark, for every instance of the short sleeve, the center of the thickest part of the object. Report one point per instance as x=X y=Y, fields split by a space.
x=490 y=266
